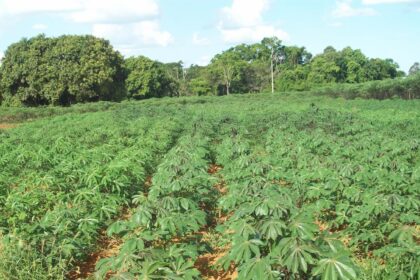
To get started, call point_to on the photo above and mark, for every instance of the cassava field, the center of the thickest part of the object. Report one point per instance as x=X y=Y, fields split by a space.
x=239 y=187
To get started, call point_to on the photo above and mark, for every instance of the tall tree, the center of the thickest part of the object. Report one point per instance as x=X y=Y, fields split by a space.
x=277 y=54
x=228 y=66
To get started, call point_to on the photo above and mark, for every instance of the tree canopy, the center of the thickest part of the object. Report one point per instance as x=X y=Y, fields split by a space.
x=414 y=69
x=270 y=65
x=147 y=78
x=71 y=69
x=61 y=71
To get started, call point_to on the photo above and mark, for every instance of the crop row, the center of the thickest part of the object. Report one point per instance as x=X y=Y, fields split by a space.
x=58 y=192
x=326 y=195
x=271 y=236
x=328 y=192
x=361 y=181
x=161 y=238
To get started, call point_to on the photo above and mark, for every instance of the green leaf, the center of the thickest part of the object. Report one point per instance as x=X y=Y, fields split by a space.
x=272 y=229
x=336 y=267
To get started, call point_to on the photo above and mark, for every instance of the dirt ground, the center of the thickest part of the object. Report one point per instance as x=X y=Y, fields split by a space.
x=7 y=125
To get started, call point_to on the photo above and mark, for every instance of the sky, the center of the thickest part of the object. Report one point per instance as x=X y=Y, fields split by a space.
x=195 y=30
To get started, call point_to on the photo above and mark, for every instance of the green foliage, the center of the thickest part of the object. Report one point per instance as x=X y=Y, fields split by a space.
x=405 y=88
x=171 y=210
x=336 y=267
x=414 y=69
x=74 y=69
x=21 y=261
x=227 y=67
x=247 y=68
x=334 y=67
x=147 y=78
x=20 y=114
x=199 y=86
x=59 y=197
x=61 y=71
x=308 y=187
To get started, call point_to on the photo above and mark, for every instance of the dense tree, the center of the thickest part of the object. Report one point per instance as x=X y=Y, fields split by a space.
x=61 y=71
x=70 y=69
x=148 y=78
x=254 y=67
x=228 y=66
x=200 y=86
x=323 y=69
x=414 y=69
x=293 y=79
x=177 y=73
x=200 y=81
x=380 y=69
x=256 y=77
x=407 y=88
x=295 y=56
x=349 y=66
x=293 y=71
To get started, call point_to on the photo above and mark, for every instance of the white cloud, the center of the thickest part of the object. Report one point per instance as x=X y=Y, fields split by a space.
x=39 y=26
x=133 y=22
x=85 y=11
x=373 y=2
x=242 y=22
x=111 y=11
x=245 y=13
x=130 y=23
x=21 y=7
x=204 y=60
x=252 y=34
x=345 y=9
x=134 y=35
x=128 y=50
x=200 y=41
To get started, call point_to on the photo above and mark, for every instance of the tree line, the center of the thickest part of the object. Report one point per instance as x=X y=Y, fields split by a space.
x=74 y=69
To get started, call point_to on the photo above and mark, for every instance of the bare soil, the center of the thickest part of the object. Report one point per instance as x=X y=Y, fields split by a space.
x=207 y=263
x=7 y=125
x=108 y=248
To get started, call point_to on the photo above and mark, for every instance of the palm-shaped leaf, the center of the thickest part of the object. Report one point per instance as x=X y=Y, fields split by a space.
x=272 y=229
x=335 y=268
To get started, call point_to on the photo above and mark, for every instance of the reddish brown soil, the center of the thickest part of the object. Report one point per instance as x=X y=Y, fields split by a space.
x=214 y=168
x=220 y=186
x=7 y=125
x=321 y=226
x=109 y=248
x=206 y=263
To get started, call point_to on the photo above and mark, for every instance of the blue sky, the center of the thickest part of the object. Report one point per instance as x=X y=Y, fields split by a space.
x=195 y=30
